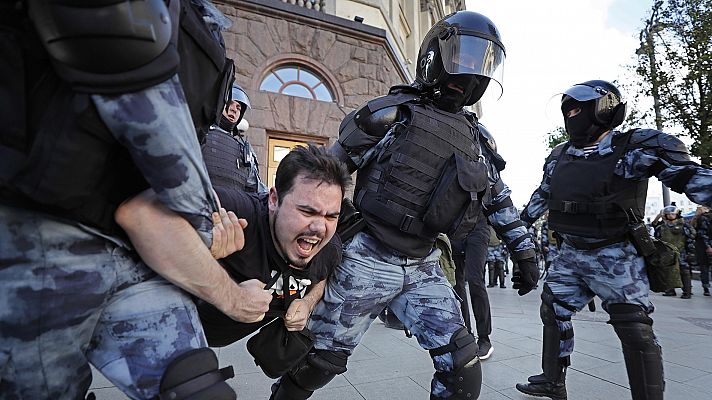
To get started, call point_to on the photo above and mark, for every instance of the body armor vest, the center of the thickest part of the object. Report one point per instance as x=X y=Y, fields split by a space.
x=673 y=233
x=588 y=199
x=228 y=160
x=425 y=182
x=56 y=154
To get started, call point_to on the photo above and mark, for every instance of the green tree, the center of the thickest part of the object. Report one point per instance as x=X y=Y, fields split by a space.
x=675 y=64
x=555 y=137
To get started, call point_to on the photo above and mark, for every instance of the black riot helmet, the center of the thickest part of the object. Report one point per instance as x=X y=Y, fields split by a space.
x=608 y=106
x=602 y=109
x=239 y=95
x=463 y=48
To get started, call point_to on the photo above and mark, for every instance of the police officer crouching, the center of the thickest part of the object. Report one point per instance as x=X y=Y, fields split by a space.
x=596 y=217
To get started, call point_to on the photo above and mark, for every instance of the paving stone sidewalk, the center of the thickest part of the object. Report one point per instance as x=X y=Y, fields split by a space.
x=389 y=366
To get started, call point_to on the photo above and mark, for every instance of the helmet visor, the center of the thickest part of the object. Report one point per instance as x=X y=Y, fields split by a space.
x=585 y=93
x=465 y=54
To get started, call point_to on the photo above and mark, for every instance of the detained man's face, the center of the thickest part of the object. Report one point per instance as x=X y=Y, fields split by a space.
x=306 y=220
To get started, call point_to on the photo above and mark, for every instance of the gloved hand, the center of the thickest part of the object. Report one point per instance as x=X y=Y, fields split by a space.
x=526 y=278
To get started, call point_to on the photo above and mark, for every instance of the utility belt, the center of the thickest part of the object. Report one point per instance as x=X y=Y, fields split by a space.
x=581 y=245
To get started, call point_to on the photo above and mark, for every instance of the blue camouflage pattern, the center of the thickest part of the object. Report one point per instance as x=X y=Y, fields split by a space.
x=371 y=277
x=496 y=253
x=171 y=160
x=615 y=273
x=636 y=164
x=552 y=248
x=69 y=297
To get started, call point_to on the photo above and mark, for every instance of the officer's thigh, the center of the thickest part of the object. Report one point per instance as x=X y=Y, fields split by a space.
x=145 y=326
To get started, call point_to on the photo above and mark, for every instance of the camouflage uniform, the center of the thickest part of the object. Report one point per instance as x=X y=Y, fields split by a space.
x=685 y=244
x=71 y=295
x=613 y=272
x=702 y=242
x=552 y=248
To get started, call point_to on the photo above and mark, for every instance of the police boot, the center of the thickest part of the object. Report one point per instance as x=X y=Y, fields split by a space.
x=500 y=271
x=312 y=373
x=670 y=293
x=552 y=382
x=492 y=276
x=642 y=355
x=686 y=277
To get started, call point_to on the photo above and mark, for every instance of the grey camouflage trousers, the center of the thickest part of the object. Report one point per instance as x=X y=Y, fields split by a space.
x=68 y=298
x=372 y=276
x=614 y=273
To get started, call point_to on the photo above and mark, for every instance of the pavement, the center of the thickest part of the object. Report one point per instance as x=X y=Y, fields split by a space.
x=388 y=365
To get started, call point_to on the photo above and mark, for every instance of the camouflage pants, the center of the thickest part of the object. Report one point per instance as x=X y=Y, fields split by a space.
x=614 y=273
x=371 y=277
x=69 y=298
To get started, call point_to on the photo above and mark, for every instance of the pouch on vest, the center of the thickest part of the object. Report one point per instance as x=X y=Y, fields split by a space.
x=455 y=203
x=663 y=267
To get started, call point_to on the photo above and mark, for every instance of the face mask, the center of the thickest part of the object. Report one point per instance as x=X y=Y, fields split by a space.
x=580 y=127
x=226 y=125
x=452 y=100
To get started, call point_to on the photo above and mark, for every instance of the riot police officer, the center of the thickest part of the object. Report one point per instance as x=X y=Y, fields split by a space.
x=675 y=230
x=425 y=165
x=593 y=216
x=227 y=153
x=92 y=114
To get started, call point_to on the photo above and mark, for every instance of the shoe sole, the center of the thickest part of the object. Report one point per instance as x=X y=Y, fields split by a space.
x=488 y=354
x=540 y=395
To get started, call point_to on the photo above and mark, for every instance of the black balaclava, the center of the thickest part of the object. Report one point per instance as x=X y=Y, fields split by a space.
x=451 y=100
x=226 y=125
x=581 y=127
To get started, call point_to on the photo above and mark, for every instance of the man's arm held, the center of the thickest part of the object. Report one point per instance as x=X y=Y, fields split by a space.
x=171 y=247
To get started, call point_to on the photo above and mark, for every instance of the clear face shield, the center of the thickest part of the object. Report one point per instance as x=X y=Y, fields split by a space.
x=468 y=55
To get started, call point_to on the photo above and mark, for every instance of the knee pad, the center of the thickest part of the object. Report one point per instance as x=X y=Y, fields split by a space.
x=632 y=325
x=195 y=375
x=316 y=370
x=465 y=379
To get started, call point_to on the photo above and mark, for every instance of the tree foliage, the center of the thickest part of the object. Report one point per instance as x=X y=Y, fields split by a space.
x=555 y=137
x=675 y=60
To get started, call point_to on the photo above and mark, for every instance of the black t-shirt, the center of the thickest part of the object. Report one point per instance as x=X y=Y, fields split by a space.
x=259 y=259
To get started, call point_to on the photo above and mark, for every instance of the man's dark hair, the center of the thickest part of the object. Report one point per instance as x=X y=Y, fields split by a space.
x=313 y=163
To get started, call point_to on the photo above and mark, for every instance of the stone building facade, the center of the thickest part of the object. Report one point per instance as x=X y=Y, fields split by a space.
x=304 y=70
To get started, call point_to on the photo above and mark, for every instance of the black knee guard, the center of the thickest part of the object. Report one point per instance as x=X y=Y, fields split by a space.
x=316 y=370
x=465 y=379
x=642 y=354
x=195 y=375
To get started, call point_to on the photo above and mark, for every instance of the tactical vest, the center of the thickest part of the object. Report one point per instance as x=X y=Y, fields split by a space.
x=227 y=159
x=427 y=180
x=673 y=234
x=587 y=199
x=56 y=154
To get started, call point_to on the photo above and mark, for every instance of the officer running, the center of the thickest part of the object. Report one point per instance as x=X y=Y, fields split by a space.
x=593 y=216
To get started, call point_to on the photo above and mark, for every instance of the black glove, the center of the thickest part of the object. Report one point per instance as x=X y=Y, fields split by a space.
x=526 y=278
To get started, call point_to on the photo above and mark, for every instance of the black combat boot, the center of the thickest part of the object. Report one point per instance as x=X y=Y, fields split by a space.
x=499 y=270
x=553 y=387
x=551 y=383
x=492 y=276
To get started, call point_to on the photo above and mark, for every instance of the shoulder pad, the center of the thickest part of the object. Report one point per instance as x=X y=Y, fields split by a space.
x=377 y=122
x=123 y=43
x=556 y=152
x=673 y=148
x=491 y=146
x=390 y=101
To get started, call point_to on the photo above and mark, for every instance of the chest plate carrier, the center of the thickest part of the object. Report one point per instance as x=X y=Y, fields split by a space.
x=427 y=180
x=588 y=199
x=228 y=160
